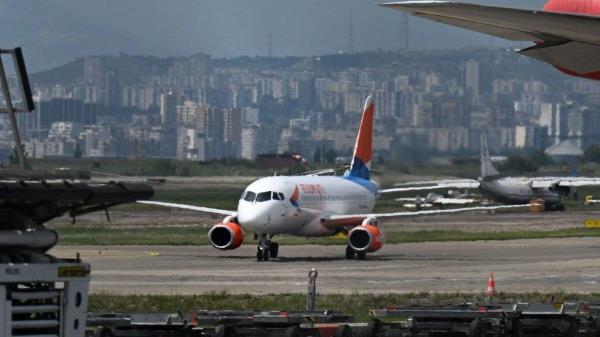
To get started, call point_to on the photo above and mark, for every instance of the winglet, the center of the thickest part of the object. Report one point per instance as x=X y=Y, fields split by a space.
x=363 y=150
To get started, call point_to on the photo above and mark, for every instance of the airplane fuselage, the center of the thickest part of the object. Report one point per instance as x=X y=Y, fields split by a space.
x=516 y=191
x=296 y=204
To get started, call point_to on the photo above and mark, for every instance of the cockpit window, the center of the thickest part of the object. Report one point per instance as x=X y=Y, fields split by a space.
x=281 y=196
x=249 y=196
x=263 y=196
x=276 y=196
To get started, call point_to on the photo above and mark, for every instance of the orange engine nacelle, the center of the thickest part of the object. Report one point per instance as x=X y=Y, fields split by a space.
x=366 y=238
x=583 y=7
x=225 y=236
x=588 y=7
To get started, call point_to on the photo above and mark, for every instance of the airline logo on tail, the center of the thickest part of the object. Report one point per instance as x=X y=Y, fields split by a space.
x=363 y=150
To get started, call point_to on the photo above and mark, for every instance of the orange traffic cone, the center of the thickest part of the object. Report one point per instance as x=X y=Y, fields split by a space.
x=491 y=288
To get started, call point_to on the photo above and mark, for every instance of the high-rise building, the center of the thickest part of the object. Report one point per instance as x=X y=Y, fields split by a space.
x=471 y=80
x=168 y=110
x=91 y=70
x=189 y=113
x=249 y=141
x=111 y=91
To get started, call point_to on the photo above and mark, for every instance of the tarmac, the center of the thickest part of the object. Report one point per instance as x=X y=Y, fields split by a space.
x=571 y=265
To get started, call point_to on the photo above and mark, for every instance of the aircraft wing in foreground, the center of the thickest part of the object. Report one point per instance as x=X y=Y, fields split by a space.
x=566 y=33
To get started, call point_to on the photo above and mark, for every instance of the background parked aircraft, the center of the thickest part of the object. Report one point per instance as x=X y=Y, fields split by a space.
x=509 y=190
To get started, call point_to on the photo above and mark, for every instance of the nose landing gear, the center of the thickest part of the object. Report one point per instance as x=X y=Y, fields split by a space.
x=266 y=248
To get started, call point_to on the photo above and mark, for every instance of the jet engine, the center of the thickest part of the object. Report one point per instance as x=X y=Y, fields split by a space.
x=575 y=7
x=589 y=7
x=367 y=237
x=227 y=235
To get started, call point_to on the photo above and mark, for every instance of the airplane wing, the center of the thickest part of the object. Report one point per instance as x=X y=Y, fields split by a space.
x=564 y=182
x=454 y=201
x=337 y=221
x=208 y=210
x=433 y=185
x=414 y=206
x=406 y=199
x=568 y=41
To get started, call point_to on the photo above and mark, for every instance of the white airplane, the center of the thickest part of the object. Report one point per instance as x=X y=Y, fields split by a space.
x=507 y=190
x=311 y=206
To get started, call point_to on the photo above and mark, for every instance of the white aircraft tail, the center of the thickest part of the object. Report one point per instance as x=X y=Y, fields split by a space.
x=487 y=167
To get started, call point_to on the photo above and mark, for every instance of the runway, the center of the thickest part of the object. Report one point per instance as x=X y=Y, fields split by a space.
x=571 y=265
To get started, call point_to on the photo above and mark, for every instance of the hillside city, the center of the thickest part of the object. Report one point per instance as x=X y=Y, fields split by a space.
x=428 y=103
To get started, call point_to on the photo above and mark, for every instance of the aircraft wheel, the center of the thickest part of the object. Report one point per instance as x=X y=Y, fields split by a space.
x=350 y=253
x=266 y=255
x=274 y=250
x=361 y=256
x=259 y=254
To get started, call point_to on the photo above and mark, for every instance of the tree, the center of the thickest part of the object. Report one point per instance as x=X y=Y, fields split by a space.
x=540 y=158
x=77 y=152
x=330 y=156
x=592 y=154
x=14 y=158
x=317 y=156
x=517 y=163
x=164 y=167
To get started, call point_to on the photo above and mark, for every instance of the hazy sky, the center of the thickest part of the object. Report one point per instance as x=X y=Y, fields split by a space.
x=53 y=32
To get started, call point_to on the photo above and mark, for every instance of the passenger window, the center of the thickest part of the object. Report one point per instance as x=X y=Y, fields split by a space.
x=276 y=196
x=263 y=196
x=250 y=196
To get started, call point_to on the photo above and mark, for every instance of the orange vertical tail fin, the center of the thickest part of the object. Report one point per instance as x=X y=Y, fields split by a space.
x=363 y=150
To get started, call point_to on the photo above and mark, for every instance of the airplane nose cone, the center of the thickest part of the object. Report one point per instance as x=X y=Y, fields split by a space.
x=252 y=216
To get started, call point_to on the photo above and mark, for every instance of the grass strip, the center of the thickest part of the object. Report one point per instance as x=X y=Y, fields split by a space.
x=197 y=235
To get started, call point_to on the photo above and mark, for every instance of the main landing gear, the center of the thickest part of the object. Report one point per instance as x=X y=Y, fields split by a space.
x=351 y=254
x=266 y=248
